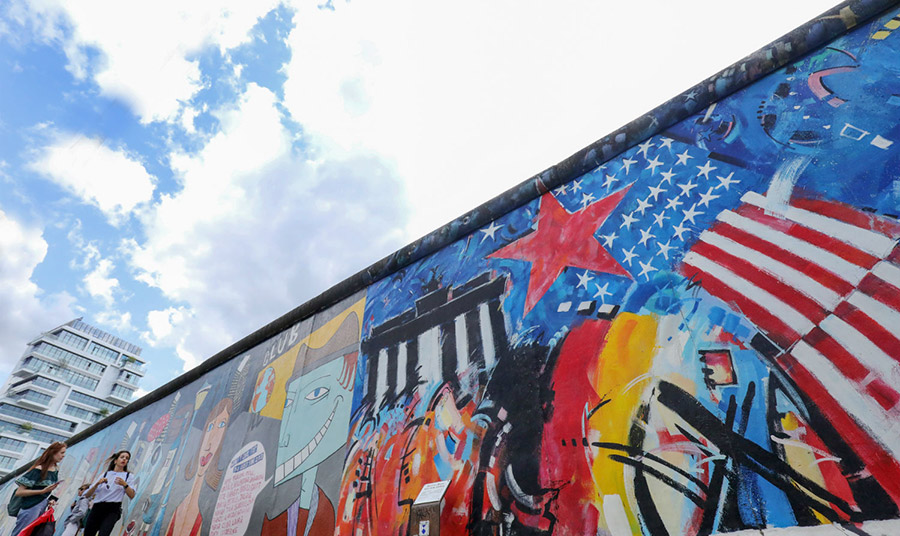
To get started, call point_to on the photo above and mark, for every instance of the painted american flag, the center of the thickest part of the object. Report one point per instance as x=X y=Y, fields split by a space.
x=822 y=281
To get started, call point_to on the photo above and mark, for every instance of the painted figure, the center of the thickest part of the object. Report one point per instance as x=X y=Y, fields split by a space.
x=202 y=469
x=318 y=399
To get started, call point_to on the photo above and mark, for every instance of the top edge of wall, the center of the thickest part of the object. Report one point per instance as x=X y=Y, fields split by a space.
x=822 y=29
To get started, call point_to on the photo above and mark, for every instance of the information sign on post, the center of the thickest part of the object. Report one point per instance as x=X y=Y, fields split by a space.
x=425 y=513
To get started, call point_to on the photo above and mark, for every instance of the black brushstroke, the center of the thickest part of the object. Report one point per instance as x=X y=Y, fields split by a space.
x=748 y=453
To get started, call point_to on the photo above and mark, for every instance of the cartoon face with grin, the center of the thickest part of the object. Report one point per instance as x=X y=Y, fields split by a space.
x=314 y=423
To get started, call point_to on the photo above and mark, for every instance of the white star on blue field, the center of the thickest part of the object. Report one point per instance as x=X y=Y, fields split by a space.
x=182 y=173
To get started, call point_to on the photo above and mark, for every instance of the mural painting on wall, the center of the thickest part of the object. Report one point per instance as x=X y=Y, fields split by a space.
x=699 y=336
x=237 y=452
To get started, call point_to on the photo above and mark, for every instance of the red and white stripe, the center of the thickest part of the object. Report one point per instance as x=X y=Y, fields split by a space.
x=822 y=280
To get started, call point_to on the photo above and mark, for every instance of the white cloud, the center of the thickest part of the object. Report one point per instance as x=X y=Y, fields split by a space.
x=86 y=252
x=257 y=229
x=404 y=106
x=100 y=284
x=27 y=310
x=472 y=98
x=120 y=322
x=113 y=181
x=162 y=324
x=146 y=48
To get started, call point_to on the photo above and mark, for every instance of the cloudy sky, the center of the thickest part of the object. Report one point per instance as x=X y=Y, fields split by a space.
x=182 y=173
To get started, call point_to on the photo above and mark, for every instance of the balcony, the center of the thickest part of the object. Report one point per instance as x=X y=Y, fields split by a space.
x=133 y=382
x=95 y=370
x=32 y=404
x=31 y=399
x=133 y=365
x=119 y=398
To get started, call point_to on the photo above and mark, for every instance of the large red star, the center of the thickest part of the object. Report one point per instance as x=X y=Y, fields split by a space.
x=563 y=239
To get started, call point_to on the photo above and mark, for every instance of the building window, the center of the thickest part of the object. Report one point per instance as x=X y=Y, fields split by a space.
x=7 y=462
x=9 y=443
x=128 y=377
x=103 y=352
x=122 y=392
x=34 y=433
x=106 y=337
x=72 y=340
x=37 y=381
x=69 y=358
x=36 y=417
x=41 y=381
x=39 y=365
x=34 y=396
x=82 y=413
x=82 y=398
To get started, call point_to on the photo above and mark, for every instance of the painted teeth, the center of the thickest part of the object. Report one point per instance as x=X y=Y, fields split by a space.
x=285 y=469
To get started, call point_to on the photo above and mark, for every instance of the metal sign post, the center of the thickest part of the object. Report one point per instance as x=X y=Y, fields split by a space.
x=425 y=514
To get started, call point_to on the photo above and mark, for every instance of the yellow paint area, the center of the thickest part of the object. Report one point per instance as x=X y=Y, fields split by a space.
x=881 y=34
x=283 y=365
x=320 y=337
x=802 y=459
x=627 y=355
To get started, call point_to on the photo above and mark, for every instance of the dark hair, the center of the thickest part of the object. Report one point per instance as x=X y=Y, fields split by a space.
x=112 y=460
x=46 y=459
x=213 y=474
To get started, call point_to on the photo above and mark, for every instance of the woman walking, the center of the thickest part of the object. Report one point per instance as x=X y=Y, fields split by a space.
x=108 y=493
x=80 y=507
x=36 y=485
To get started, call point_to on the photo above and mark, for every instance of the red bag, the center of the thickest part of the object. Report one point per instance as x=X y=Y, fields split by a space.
x=44 y=525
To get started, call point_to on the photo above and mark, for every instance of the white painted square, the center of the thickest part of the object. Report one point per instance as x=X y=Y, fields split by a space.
x=606 y=309
x=881 y=143
x=850 y=131
x=564 y=307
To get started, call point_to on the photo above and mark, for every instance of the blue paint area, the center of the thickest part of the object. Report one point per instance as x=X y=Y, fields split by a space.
x=443 y=467
x=450 y=443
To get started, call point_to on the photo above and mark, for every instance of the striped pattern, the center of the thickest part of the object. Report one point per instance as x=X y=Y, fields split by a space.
x=431 y=355
x=822 y=280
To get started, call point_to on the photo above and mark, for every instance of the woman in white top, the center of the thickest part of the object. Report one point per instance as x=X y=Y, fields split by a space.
x=108 y=494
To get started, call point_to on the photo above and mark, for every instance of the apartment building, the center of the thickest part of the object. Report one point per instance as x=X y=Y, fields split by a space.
x=68 y=378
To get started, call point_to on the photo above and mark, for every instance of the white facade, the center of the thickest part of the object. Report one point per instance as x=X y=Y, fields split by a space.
x=68 y=378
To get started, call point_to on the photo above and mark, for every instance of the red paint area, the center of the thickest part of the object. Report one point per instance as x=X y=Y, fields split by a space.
x=566 y=460
x=880 y=464
x=561 y=240
x=835 y=481
x=385 y=472
x=851 y=215
x=818 y=87
x=158 y=427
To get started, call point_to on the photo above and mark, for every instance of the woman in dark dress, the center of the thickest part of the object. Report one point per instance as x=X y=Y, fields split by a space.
x=36 y=485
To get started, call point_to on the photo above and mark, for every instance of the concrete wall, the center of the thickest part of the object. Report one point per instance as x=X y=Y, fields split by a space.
x=699 y=335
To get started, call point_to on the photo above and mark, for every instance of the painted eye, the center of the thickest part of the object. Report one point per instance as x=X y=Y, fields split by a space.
x=288 y=402
x=222 y=424
x=317 y=393
x=209 y=428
